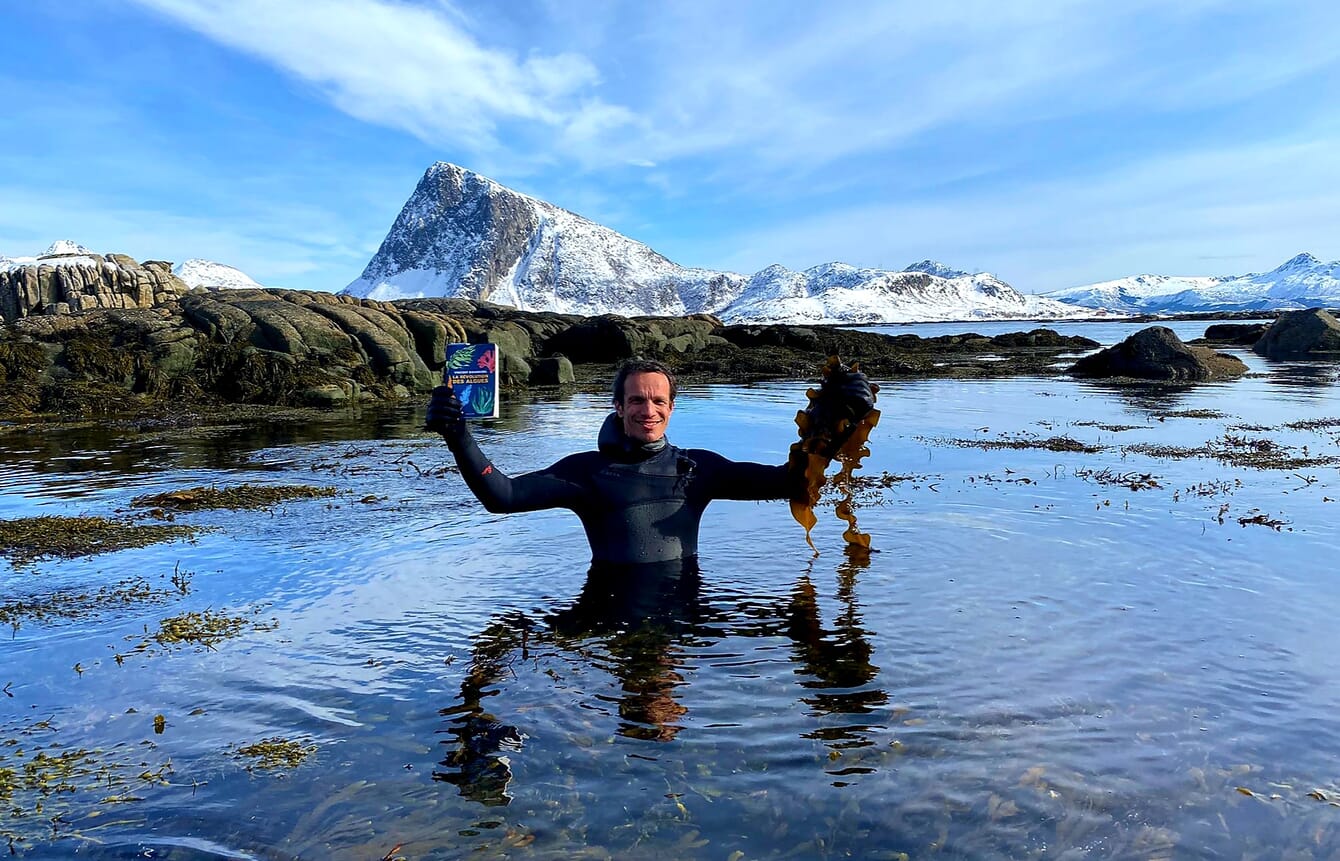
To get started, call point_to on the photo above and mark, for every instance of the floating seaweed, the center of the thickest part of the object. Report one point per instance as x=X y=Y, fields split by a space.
x=239 y=497
x=30 y=538
x=1024 y=441
x=826 y=434
x=206 y=628
x=275 y=753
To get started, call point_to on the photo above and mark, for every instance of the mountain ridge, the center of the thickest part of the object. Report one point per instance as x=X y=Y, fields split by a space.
x=462 y=234
x=1302 y=281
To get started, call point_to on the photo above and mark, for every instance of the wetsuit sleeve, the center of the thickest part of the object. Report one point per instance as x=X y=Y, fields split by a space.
x=501 y=494
x=729 y=479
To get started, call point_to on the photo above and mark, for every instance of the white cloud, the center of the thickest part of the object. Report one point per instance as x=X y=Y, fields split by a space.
x=789 y=86
x=407 y=67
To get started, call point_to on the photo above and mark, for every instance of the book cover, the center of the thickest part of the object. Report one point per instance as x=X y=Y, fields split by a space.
x=472 y=371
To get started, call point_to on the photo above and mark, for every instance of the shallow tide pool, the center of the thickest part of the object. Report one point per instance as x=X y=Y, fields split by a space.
x=1125 y=652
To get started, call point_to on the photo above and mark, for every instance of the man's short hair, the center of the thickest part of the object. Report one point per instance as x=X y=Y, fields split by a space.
x=642 y=366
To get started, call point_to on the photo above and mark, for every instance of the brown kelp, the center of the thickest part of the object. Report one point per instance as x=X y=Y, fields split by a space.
x=828 y=432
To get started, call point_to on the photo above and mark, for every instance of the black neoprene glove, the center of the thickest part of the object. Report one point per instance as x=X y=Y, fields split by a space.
x=853 y=391
x=444 y=414
x=844 y=394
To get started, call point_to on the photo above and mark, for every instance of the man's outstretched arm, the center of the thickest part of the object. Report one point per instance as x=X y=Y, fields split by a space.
x=499 y=493
x=845 y=395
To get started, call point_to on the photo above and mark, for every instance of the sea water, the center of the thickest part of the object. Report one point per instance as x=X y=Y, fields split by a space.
x=1126 y=652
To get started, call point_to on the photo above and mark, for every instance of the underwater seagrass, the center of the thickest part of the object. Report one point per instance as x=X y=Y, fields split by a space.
x=827 y=432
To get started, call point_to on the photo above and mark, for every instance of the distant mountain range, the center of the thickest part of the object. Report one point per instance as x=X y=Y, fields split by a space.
x=462 y=234
x=1301 y=282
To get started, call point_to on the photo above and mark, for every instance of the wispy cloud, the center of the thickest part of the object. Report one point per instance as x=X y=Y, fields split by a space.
x=414 y=68
x=780 y=90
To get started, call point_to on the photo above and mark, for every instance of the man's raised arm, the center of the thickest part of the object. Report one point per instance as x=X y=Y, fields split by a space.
x=499 y=493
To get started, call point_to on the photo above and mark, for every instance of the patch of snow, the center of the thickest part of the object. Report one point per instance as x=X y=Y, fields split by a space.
x=206 y=273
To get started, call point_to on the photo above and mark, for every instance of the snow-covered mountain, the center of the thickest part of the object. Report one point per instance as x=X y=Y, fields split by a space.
x=1301 y=282
x=462 y=234
x=836 y=292
x=206 y=273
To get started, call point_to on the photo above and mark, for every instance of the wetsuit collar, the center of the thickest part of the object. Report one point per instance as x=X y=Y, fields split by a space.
x=613 y=442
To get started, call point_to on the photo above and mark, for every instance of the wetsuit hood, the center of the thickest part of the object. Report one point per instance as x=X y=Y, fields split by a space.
x=616 y=444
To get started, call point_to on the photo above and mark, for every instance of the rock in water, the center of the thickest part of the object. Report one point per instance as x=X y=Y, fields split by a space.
x=1300 y=335
x=1157 y=353
x=1243 y=334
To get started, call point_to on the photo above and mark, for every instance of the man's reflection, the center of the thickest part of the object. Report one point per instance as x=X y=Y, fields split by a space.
x=643 y=618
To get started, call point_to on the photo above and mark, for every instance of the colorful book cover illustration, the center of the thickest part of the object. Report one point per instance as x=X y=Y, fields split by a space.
x=472 y=371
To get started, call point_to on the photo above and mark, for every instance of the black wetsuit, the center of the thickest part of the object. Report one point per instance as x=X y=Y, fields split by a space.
x=636 y=505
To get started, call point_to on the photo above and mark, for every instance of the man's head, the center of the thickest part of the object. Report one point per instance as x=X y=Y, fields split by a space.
x=644 y=397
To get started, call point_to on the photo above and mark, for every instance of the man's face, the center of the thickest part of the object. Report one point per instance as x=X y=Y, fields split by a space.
x=646 y=406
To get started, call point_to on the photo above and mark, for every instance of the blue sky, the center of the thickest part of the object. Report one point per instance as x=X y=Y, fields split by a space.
x=1051 y=143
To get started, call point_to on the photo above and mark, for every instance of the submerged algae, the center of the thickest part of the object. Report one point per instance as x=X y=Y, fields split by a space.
x=79 y=604
x=31 y=538
x=276 y=753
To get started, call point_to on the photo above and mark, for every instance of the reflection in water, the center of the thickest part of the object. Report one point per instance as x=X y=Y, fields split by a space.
x=1150 y=398
x=1304 y=374
x=637 y=622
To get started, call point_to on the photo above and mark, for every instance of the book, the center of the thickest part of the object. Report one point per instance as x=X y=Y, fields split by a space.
x=472 y=372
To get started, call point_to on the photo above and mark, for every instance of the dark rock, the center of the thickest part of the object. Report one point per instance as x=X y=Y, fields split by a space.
x=1157 y=353
x=604 y=339
x=793 y=337
x=552 y=371
x=1313 y=333
x=1043 y=338
x=1242 y=334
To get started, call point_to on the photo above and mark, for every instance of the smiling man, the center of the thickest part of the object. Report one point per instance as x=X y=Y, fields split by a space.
x=640 y=499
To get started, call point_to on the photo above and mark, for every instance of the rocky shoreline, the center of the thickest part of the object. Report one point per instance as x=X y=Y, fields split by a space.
x=239 y=350
x=286 y=348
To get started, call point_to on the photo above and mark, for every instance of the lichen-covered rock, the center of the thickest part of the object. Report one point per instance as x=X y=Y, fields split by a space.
x=1157 y=353
x=1310 y=334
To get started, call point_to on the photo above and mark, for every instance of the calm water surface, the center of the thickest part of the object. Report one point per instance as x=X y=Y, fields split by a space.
x=1038 y=661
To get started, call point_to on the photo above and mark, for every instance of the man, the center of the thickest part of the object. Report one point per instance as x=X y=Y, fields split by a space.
x=639 y=498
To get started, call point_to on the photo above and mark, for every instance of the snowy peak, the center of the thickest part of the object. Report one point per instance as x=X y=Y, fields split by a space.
x=66 y=246
x=462 y=234
x=1302 y=281
x=206 y=273
x=936 y=268
x=1300 y=261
